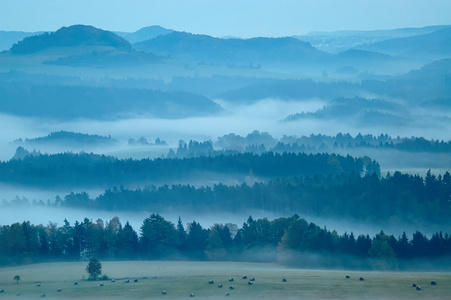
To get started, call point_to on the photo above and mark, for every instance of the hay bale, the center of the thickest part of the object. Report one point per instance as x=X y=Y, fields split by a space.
x=252 y=279
x=59 y=290
x=244 y=277
x=113 y=280
x=163 y=292
x=127 y=281
x=250 y=283
x=191 y=295
x=76 y=283
x=284 y=280
x=433 y=283
x=418 y=288
x=42 y=295
x=38 y=284
x=220 y=285
x=2 y=291
x=347 y=276
x=362 y=279
x=135 y=280
x=211 y=281
x=414 y=285
x=230 y=279
x=101 y=284
x=231 y=287
x=227 y=294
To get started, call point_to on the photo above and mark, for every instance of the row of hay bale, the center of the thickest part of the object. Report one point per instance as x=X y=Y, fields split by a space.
x=38 y=284
x=231 y=287
x=360 y=278
x=418 y=288
x=59 y=290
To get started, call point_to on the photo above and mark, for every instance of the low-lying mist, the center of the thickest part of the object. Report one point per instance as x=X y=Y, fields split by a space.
x=241 y=119
x=41 y=214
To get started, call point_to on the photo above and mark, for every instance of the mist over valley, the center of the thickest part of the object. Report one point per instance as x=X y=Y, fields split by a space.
x=207 y=148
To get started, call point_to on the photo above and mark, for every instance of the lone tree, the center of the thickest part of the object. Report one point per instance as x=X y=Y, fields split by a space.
x=94 y=269
x=17 y=278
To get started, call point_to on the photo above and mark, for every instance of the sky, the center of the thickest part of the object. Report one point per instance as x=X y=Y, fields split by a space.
x=239 y=18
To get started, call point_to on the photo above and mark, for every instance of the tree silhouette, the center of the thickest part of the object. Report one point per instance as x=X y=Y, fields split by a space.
x=94 y=269
x=17 y=278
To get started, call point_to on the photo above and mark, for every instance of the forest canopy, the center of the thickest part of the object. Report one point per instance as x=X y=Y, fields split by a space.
x=287 y=240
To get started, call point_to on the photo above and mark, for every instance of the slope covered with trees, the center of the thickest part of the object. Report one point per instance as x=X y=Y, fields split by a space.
x=69 y=137
x=73 y=102
x=198 y=48
x=76 y=35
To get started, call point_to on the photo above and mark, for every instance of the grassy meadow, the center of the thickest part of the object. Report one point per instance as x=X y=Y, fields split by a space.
x=180 y=278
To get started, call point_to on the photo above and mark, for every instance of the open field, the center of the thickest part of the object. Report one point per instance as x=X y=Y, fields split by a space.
x=180 y=278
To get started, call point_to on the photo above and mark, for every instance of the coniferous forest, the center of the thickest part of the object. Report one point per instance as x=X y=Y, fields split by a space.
x=287 y=240
x=314 y=184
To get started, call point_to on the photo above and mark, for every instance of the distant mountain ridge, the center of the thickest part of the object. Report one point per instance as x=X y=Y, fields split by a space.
x=76 y=35
x=198 y=48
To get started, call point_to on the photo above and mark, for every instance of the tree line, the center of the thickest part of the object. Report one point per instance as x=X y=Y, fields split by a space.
x=260 y=142
x=159 y=238
x=407 y=198
x=88 y=169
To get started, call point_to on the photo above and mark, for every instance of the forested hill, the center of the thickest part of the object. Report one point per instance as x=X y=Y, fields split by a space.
x=76 y=35
x=84 y=169
x=196 y=47
x=69 y=137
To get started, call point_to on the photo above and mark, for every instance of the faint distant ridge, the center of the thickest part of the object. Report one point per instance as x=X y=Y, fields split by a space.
x=76 y=35
x=9 y=38
x=339 y=41
x=355 y=54
x=145 y=33
x=436 y=44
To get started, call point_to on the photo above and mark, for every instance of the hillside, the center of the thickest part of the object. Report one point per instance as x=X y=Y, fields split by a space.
x=198 y=48
x=72 y=102
x=339 y=41
x=9 y=38
x=433 y=45
x=76 y=35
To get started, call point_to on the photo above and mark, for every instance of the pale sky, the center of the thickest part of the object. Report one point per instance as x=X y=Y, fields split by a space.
x=242 y=18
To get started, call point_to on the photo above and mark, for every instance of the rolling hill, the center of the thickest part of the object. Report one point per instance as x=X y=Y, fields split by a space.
x=82 y=46
x=198 y=48
x=76 y=35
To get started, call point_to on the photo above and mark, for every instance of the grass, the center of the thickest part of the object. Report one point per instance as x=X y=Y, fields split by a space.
x=180 y=278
